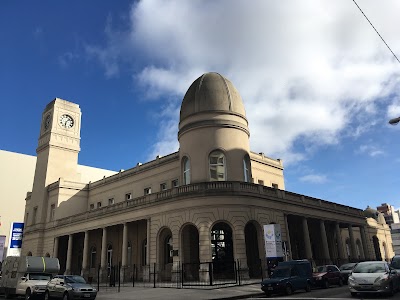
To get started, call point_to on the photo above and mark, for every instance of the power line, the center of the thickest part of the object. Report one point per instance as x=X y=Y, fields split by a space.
x=376 y=31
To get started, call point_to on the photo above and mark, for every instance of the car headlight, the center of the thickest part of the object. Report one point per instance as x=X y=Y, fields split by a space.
x=36 y=288
x=318 y=278
x=352 y=281
x=381 y=279
x=95 y=290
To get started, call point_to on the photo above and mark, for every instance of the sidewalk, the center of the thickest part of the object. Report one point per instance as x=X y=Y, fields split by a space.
x=235 y=292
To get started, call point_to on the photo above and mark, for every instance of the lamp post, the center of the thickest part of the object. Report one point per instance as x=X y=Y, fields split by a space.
x=394 y=121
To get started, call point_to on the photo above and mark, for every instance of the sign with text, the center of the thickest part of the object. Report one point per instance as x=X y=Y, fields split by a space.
x=15 y=242
x=273 y=240
x=2 y=244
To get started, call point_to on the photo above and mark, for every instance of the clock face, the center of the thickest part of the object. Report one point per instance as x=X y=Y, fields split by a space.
x=47 y=121
x=66 y=121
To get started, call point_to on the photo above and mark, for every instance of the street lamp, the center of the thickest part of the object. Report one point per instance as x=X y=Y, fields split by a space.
x=394 y=121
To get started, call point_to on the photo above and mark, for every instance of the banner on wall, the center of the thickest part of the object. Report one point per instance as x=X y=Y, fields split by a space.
x=273 y=241
x=15 y=239
x=2 y=245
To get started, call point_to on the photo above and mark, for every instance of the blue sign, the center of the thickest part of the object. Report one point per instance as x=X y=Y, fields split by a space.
x=16 y=233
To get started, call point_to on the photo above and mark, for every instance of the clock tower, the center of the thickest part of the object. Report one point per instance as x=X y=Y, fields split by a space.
x=57 y=154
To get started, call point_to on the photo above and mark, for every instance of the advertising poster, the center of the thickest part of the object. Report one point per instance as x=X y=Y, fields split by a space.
x=273 y=241
x=2 y=244
x=15 y=239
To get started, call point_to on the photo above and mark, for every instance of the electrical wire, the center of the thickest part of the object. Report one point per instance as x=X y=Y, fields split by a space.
x=376 y=30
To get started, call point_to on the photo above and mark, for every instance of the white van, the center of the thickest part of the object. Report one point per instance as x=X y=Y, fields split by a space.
x=27 y=275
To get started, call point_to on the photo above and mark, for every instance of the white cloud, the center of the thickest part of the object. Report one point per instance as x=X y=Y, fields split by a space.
x=305 y=70
x=314 y=178
x=370 y=150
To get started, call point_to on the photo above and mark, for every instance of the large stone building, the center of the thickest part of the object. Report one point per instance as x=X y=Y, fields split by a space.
x=205 y=203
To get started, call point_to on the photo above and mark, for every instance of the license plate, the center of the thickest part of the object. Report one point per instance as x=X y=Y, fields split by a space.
x=270 y=289
x=86 y=295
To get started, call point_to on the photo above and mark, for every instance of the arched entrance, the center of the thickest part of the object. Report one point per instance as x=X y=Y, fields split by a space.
x=165 y=253
x=190 y=252
x=252 y=252
x=222 y=251
x=377 y=249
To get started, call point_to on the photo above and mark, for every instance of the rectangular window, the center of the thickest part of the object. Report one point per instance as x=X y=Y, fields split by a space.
x=92 y=206
x=174 y=183
x=52 y=212
x=111 y=201
x=163 y=186
x=34 y=215
x=261 y=182
x=147 y=191
x=275 y=185
x=98 y=204
x=128 y=196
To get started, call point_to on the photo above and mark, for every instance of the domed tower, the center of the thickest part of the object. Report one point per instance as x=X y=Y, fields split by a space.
x=213 y=132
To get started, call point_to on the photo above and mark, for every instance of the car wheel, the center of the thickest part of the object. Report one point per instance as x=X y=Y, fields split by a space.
x=308 y=287
x=46 y=295
x=288 y=290
x=28 y=294
x=326 y=284
x=65 y=297
x=353 y=294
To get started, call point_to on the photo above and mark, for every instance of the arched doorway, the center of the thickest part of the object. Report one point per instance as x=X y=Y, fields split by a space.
x=222 y=251
x=190 y=252
x=165 y=254
x=377 y=248
x=252 y=252
x=109 y=258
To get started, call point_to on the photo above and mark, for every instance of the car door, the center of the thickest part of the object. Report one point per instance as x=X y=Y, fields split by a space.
x=331 y=275
x=51 y=286
x=59 y=288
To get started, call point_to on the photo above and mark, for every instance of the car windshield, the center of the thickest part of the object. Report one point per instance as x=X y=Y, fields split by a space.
x=395 y=264
x=320 y=269
x=281 y=272
x=34 y=276
x=347 y=267
x=370 y=268
x=74 y=279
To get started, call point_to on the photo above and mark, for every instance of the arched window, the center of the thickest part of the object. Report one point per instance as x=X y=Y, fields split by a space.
x=109 y=258
x=348 y=248
x=144 y=252
x=246 y=168
x=168 y=250
x=129 y=254
x=217 y=166
x=186 y=170
x=93 y=255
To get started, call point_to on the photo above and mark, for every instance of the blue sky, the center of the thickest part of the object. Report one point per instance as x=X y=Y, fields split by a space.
x=318 y=84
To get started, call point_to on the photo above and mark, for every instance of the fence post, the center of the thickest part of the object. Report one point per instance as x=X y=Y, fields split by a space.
x=98 y=278
x=154 y=275
x=210 y=272
x=119 y=277
x=238 y=270
x=133 y=275
x=261 y=269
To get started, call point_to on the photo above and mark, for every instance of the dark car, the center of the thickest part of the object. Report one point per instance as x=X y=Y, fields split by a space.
x=345 y=271
x=326 y=275
x=69 y=287
x=288 y=277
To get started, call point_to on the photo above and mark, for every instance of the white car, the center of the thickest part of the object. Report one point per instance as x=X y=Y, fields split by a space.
x=373 y=277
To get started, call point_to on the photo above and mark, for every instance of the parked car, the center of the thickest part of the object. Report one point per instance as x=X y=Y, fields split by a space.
x=373 y=277
x=288 y=277
x=345 y=271
x=68 y=287
x=326 y=275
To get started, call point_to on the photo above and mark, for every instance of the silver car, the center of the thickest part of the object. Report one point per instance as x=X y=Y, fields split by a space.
x=68 y=287
x=373 y=277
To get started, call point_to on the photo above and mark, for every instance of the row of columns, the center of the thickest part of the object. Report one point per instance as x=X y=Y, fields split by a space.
x=103 y=258
x=324 y=240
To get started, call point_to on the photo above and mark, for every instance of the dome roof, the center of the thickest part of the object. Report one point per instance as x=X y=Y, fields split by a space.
x=371 y=213
x=211 y=92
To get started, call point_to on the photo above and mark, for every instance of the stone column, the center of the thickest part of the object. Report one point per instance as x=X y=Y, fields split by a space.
x=85 y=254
x=325 y=247
x=69 y=255
x=124 y=251
x=103 y=259
x=55 y=249
x=148 y=242
x=341 y=253
x=353 y=252
x=306 y=237
x=364 y=241
x=288 y=244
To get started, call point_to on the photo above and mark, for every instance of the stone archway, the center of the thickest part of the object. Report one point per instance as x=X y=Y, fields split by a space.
x=252 y=250
x=190 y=252
x=165 y=254
x=222 y=251
x=377 y=248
